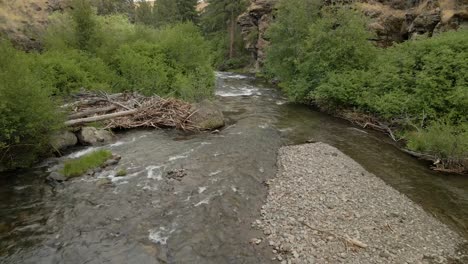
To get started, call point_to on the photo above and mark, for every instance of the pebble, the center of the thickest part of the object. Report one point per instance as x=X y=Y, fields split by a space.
x=335 y=194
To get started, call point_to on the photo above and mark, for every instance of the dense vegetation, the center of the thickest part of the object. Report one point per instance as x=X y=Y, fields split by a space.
x=85 y=50
x=419 y=88
x=219 y=23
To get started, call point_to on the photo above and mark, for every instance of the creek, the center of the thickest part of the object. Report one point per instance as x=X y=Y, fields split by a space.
x=205 y=214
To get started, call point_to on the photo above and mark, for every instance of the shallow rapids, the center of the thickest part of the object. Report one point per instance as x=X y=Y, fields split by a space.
x=205 y=215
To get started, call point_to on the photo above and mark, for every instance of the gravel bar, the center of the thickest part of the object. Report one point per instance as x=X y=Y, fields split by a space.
x=323 y=207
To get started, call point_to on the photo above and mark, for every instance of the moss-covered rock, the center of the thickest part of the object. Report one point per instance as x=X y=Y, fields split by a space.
x=207 y=116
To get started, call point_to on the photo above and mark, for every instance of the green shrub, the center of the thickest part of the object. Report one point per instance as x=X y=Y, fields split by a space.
x=442 y=140
x=69 y=70
x=176 y=64
x=171 y=61
x=28 y=116
x=79 y=166
x=287 y=35
x=309 y=44
x=418 y=81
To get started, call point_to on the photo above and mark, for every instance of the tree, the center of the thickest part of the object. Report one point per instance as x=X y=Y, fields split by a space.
x=220 y=17
x=143 y=13
x=28 y=115
x=287 y=35
x=108 y=7
x=165 y=12
x=187 y=10
x=85 y=24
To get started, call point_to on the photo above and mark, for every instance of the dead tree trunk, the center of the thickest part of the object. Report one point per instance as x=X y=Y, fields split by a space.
x=99 y=118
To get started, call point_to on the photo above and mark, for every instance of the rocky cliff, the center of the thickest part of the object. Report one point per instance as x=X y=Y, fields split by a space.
x=391 y=20
x=22 y=21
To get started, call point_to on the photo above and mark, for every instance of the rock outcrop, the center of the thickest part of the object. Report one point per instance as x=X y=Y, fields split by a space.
x=254 y=23
x=391 y=20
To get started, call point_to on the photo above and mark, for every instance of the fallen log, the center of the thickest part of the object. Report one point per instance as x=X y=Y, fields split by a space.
x=92 y=112
x=81 y=121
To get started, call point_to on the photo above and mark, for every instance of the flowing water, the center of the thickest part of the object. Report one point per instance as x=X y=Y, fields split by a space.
x=204 y=215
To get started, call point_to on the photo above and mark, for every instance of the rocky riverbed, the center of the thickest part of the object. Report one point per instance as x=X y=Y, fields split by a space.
x=323 y=207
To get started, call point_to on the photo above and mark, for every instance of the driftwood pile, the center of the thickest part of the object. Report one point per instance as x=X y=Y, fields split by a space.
x=129 y=110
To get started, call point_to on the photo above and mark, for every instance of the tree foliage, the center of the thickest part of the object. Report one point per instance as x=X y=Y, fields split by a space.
x=28 y=115
x=219 y=23
x=166 y=12
x=420 y=86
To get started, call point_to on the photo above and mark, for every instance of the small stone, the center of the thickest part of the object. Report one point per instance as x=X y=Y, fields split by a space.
x=255 y=241
x=103 y=182
x=295 y=254
x=57 y=176
x=286 y=248
x=384 y=254
x=279 y=258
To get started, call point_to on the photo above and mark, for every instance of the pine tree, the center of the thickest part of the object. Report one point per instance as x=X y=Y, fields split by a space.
x=187 y=10
x=221 y=16
x=165 y=12
x=143 y=13
x=85 y=24
x=107 y=7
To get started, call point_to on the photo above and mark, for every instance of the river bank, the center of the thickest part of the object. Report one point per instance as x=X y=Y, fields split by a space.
x=323 y=207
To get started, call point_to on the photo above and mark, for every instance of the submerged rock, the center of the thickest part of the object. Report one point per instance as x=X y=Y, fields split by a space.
x=56 y=176
x=103 y=182
x=207 y=116
x=94 y=136
x=63 y=140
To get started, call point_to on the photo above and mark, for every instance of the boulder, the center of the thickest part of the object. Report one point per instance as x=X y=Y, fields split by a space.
x=93 y=136
x=207 y=116
x=63 y=140
x=56 y=176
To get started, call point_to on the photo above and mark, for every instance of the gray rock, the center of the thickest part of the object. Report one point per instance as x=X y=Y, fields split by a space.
x=63 y=140
x=103 y=182
x=94 y=136
x=207 y=116
x=112 y=161
x=57 y=176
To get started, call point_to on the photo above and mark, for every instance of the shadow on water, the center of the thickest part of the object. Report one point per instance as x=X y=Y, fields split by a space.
x=205 y=217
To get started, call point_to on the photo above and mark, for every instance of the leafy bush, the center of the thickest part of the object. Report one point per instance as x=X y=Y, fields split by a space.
x=69 y=70
x=287 y=35
x=419 y=81
x=176 y=64
x=412 y=85
x=79 y=166
x=335 y=40
x=28 y=116
x=171 y=61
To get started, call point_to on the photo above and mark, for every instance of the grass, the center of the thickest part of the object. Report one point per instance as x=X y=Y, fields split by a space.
x=79 y=166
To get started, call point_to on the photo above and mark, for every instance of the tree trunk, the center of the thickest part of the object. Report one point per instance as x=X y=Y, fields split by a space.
x=99 y=118
x=231 y=37
x=92 y=112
